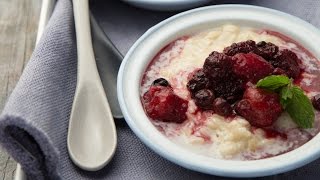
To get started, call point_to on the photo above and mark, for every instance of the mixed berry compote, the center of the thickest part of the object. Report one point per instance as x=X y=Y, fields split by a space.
x=200 y=91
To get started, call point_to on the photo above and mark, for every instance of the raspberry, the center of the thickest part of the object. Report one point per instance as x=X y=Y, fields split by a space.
x=197 y=82
x=266 y=50
x=231 y=89
x=160 y=82
x=204 y=98
x=251 y=67
x=162 y=104
x=222 y=107
x=240 y=47
x=217 y=66
x=316 y=102
x=260 y=107
x=287 y=61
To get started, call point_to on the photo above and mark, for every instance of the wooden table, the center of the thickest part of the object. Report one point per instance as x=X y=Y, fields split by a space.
x=18 y=31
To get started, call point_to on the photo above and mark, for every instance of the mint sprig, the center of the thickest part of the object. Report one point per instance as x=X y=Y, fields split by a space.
x=292 y=99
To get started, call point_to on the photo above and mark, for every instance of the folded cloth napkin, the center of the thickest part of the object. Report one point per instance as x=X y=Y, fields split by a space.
x=34 y=122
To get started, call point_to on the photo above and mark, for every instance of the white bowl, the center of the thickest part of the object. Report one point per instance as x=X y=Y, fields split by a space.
x=166 y=5
x=142 y=52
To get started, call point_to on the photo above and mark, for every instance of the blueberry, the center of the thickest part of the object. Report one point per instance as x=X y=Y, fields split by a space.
x=204 y=98
x=160 y=82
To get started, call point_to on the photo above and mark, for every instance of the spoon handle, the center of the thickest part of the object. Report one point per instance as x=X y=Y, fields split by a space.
x=87 y=68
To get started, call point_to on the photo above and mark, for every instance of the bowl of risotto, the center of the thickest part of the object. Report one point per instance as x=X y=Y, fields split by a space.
x=227 y=90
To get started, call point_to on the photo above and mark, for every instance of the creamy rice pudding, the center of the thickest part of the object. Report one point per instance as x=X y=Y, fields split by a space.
x=201 y=92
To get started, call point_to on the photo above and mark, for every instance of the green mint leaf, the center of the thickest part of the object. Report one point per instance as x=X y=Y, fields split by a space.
x=299 y=107
x=273 y=82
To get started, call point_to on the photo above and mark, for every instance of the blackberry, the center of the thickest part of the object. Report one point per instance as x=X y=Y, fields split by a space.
x=240 y=47
x=287 y=61
x=197 y=82
x=217 y=66
x=267 y=50
x=231 y=89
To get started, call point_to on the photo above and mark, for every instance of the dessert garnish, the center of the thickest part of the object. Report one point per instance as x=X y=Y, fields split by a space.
x=292 y=99
x=225 y=85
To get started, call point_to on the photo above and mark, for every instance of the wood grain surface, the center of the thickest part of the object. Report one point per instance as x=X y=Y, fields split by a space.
x=18 y=30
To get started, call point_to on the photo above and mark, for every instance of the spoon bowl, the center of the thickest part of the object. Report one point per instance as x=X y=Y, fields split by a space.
x=91 y=147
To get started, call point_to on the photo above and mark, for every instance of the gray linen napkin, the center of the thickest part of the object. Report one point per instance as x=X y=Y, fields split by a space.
x=33 y=125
